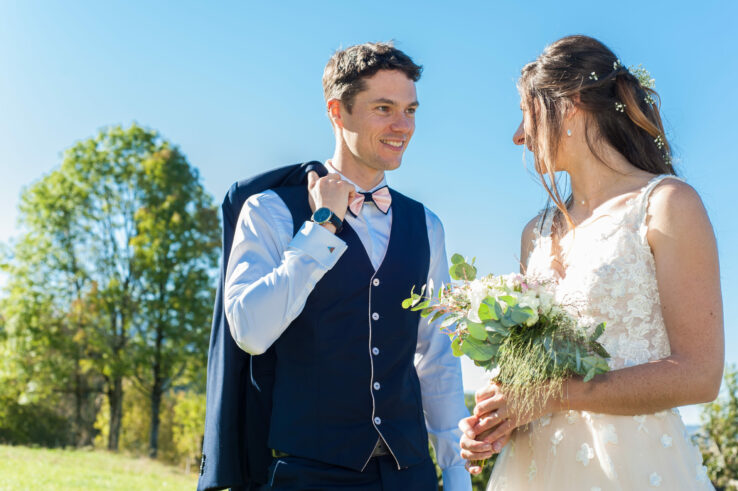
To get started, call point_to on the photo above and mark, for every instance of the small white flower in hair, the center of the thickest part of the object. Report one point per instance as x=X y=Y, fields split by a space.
x=620 y=107
x=593 y=76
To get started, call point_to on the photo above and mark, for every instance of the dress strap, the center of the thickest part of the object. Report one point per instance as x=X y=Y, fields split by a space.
x=544 y=222
x=644 y=200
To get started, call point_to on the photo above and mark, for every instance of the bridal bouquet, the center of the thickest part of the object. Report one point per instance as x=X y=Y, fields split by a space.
x=511 y=326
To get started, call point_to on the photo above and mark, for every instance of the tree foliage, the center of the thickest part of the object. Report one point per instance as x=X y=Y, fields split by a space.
x=110 y=280
x=718 y=438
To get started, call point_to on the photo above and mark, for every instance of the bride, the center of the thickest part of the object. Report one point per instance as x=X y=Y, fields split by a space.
x=631 y=246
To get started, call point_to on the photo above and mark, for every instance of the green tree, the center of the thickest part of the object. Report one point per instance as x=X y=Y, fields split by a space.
x=176 y=250
x=718 y=438
x=48 y=352
x=110 y=278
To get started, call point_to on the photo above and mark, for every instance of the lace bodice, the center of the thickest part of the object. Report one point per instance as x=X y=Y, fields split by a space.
x=610 y=277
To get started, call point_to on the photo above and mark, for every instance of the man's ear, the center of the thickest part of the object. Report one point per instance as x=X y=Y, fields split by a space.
x=334 y=112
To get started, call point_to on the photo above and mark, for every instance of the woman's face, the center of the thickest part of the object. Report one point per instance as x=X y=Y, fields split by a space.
x=519 y=137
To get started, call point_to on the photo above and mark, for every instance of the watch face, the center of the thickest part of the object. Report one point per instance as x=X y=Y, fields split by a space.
x=321 y=215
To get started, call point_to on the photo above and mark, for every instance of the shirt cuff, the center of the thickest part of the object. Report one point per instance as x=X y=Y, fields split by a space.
x=456 y=479
x=318 y=243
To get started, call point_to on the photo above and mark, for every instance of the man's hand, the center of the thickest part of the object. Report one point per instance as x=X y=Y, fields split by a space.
x=487 y=431
x=330 y=192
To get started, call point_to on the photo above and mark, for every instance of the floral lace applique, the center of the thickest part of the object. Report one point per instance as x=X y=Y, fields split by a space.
x=556 y=439
x=610 y=277
x=609 y=435
x=585 y=454
x=655 y=480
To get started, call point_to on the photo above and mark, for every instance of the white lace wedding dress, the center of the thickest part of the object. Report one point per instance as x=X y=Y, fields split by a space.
x=610 y=277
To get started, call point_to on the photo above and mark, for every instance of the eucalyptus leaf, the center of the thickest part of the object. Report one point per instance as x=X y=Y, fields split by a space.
x=456 y=347
x=420 y=306
x=507 y=321
x=485 y=313
x=490 y=302
x=477 y=330
x=407 y=303
x=457 y=259
x=451 y=319
x=509 y=299
x=426 y=312
x=496 y=327
x=437 y=316
x=520 y=315
x=499 y=310
x=478 y=350
x=463 y=271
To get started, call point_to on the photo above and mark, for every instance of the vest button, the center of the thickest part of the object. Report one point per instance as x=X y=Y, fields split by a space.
x=375 y=316
x=376 y=386
x=378 y=420
x=375 y=350
x=375 y=282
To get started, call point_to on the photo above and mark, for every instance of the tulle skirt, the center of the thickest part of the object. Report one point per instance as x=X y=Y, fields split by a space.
x=579 y=450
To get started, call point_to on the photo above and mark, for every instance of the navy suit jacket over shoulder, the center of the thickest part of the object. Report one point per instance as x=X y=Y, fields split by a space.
x=234 y=451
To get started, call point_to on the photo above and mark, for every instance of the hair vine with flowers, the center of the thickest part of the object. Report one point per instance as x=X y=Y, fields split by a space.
x=648 y=84
x=512 y=326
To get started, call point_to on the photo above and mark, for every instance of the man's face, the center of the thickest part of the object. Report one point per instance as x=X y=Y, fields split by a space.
x=382 y=120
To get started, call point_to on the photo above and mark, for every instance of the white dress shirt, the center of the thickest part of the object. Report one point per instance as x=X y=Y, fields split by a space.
x=270 y=274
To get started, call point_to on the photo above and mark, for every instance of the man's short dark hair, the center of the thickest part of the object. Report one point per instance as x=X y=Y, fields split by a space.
x=345 y=72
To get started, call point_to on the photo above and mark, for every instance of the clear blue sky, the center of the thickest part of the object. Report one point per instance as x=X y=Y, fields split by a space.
x=237 y=86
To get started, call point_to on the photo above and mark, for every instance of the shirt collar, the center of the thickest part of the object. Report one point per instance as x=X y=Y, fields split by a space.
x=331 y=169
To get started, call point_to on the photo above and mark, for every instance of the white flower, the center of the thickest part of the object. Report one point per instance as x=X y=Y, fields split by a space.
x=545 y=420
x=666 y=440
x=585 y=454
x=545 y=300
x=655 y=480
x=477 y=292
x=641 y=420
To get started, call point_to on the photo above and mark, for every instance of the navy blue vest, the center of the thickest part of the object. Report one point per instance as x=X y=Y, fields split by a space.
x=345 y=369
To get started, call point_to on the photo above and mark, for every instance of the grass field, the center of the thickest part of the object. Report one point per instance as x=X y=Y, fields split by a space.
x=24 y=468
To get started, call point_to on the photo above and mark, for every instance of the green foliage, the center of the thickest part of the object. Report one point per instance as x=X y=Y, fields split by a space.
x=532 y=351
x=718 y=438
x=181 y=427
x=110 y=281
x=32 y=424
x=461 y=270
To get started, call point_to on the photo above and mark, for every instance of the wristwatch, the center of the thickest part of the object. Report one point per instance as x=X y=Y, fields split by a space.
x=325 y=215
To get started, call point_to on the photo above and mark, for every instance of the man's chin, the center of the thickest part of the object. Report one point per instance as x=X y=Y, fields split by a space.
x=390 y=164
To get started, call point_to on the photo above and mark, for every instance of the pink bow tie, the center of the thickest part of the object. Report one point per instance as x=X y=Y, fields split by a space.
x=381 y=197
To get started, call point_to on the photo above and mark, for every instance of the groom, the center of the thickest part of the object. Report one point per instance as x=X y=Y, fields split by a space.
x=316 y=277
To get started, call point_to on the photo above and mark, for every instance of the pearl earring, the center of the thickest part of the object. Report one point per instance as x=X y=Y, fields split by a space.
x=568 y=132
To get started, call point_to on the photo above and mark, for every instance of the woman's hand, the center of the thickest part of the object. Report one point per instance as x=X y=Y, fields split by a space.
x=489 y=429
